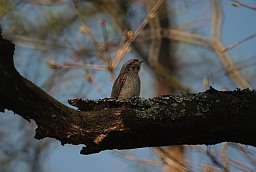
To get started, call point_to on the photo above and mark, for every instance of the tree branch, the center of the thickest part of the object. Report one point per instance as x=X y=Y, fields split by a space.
x=204 y=118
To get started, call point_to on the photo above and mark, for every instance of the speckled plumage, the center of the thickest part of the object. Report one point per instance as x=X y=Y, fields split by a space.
x=127 y=84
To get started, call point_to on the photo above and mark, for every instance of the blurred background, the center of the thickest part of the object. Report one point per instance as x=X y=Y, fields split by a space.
x=75 y=48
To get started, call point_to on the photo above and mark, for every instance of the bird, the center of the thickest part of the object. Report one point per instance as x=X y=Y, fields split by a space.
x=127 y=84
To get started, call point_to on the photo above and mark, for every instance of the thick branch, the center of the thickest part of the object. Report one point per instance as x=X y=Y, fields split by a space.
x=205 y=118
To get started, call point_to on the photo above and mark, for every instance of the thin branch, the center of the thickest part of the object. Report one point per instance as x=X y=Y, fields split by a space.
x=224 y=156
x=246 y=152
x=46 y=2
x=84 y=21
x=186 y=37
x=87 y=30
x=216 y=45
x=239 y=42
x=69 y=65
x=215 y=159
x=139 y=160
x=155 y=44
x=102 y=23
x=170 y=160
x=240 y=165
x=229 y=65
x=216 y=19
x=130 y=37
x=200 y=149
x=239 y=4
x=33 y=43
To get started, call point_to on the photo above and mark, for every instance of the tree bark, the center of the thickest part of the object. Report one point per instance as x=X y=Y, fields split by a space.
x=205 y=118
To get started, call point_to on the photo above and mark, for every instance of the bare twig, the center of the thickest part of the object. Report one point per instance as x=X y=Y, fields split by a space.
x=229 y=65
x=186 y=37
x=46 y=2
x=216 y=45
x=240 y=165
x=87 y=29
x=170 y=160
x=215 y=159
x=155 y=34
x=139 y=160
x=239 y=4
x=216 y=19
x=81 y=17
x=248 y=154
x=129 y=38
x=69 y=65
x=89 y=77
x=33 y=43
x=239 y=42
x=102 y=23
x=224 y=156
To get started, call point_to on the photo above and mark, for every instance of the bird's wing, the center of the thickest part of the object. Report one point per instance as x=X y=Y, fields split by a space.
x=118 y=85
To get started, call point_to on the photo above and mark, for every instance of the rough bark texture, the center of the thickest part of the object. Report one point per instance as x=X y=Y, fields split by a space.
x=205 y=118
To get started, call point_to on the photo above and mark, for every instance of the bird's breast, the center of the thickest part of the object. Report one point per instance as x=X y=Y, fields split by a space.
x=131 y=87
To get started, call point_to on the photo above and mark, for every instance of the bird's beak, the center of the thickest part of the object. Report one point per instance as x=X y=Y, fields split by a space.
x=141 y=61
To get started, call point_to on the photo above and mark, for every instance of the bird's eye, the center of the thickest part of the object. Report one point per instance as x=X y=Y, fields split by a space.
x=136 y=67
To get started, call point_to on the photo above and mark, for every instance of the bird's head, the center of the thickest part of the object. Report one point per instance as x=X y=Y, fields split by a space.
x=132 y=65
